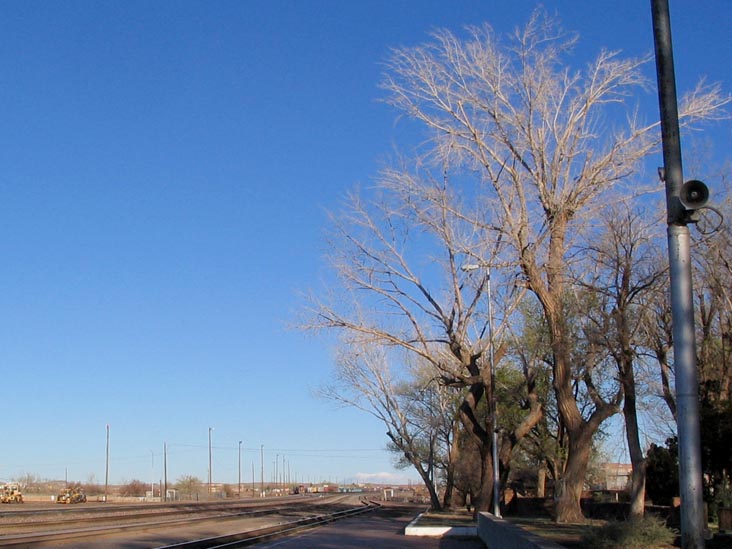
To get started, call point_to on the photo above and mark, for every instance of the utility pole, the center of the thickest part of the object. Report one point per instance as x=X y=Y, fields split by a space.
x=239 y=493
x=210 y=455
x=682 y=306
x=165 y=469
x=152 y=474
x=106 y=469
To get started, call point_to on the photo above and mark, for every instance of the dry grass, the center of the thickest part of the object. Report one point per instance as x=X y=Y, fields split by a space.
x=567 y=535
x=447 y=518
x=571 y=535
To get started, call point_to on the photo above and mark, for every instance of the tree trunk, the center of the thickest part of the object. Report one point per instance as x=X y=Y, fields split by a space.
x=479 y=431
x=452 y=459
x=447 y=497
x=434 y=498
x=541 y=481
x=638 y=490
x=580 y=431
x=483 y=498
x=638 y=477
x=568 y=490
x=424 y=475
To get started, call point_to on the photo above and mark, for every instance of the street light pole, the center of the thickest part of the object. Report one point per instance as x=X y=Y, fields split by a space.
x=681 y=286
x=493 y=404
x=494 y=407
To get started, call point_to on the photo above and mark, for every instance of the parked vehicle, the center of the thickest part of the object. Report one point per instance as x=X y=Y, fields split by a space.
x=11 y=493
x=71 y=495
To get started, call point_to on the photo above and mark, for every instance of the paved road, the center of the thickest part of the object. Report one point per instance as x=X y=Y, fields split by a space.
x=383 y=529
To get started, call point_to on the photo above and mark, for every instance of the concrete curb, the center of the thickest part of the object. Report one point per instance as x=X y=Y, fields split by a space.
x=413 y=529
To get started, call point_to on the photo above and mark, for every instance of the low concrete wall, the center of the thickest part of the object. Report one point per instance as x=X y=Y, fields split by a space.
x=414 y=529
x=497 y=533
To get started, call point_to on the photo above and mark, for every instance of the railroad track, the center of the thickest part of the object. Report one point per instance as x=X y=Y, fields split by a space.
x=244 y=539
x=38 y=528
x=48 y=519
x=112 y=508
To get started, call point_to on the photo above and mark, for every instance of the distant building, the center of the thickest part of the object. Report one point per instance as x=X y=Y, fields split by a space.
x=615 y=476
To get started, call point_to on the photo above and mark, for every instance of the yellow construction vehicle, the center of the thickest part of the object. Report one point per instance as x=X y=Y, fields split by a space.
x=11 y=493
x=71 y=495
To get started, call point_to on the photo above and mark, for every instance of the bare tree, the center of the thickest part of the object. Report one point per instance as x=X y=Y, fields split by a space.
x=30 y=482
x=365 y=381
x=713 y=271
x=658 y=336
x=532 y=132
x=189 y=486
x=134 y=487
x=623 y=274
x=400 y=259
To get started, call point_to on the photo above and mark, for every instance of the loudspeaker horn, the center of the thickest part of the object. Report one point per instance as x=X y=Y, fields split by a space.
x=694 y=194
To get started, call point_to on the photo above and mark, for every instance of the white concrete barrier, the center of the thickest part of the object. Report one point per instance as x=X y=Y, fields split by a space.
x=414 y=529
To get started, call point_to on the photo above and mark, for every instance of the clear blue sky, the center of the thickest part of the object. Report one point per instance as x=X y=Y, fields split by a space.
x=164 y=170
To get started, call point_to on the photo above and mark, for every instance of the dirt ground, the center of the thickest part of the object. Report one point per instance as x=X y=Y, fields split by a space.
x=570 y=535
x=566 y=535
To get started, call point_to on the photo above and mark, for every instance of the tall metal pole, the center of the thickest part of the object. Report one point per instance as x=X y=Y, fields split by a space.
x=106 y=468
x=210 y=472
x=152 y=474
x=682 y=308
x=261 y=479
x=494 y=407
x=165 y=469
x=239 y=469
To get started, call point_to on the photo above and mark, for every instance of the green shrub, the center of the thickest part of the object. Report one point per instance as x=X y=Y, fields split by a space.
x=721 y=497
x=640 y=533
